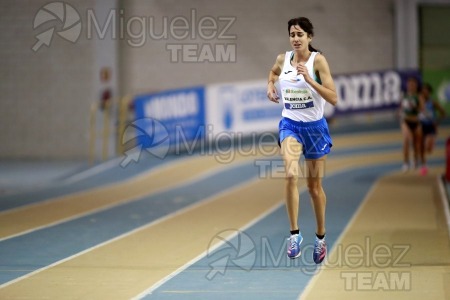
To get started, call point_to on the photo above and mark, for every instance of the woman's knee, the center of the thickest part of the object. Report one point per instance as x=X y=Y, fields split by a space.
x=291 y=177
x=314 y=189
x=291 y=171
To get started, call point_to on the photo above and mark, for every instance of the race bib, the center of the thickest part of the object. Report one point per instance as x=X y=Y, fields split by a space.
x=297 y=98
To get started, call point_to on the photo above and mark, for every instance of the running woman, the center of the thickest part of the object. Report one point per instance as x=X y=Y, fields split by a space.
x=306 y=84
x=410 y=106
x=429 y=121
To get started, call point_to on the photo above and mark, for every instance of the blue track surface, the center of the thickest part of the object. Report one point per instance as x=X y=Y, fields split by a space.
x=264 y=271
x=106 y=176
x=147 y=163
x=40 y=248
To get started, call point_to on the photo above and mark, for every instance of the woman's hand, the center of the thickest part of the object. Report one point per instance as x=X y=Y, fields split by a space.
x=272 y=93
x=302 y=70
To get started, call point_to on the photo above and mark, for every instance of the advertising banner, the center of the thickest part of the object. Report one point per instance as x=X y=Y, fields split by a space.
x=204 y=113
x=243 y=107
x=368 y=92
x=175 y=115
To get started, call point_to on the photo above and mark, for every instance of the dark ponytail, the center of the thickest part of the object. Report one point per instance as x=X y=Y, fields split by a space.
x=307 y=26
x=312 y=49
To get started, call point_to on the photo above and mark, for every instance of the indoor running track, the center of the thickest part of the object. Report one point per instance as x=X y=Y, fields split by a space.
x=192 y=227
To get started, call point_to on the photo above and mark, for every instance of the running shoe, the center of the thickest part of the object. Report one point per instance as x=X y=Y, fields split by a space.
x=320 y=250
x=405 y=168
x=423 y=170
x=293 y=247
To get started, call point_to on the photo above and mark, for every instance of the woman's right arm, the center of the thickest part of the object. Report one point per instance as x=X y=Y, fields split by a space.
x=437 y=106
x=273 y=77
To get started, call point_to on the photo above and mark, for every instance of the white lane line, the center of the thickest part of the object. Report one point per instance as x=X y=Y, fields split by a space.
x=444 y=200
x=203 y=254
x=189 y=181
x=143 y=227
x=200 y=256
x=135 y=177
x=311 y=283
x=93 y=171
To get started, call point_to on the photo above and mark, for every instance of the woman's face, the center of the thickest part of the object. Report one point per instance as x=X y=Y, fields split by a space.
x=426 y=91
x=412 y=86
x=299 y=38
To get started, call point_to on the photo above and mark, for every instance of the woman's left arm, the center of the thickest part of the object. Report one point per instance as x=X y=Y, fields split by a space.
x=327 y=89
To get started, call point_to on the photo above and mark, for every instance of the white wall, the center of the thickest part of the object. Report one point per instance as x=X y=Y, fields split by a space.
x=45 y=95
x=354 y=35
x=407 y=31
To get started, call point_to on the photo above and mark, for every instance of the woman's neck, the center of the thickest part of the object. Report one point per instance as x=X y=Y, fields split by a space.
x=301 y=56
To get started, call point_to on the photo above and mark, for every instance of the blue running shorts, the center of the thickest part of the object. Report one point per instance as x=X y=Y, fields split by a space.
x=314 y=136
x=428 y=128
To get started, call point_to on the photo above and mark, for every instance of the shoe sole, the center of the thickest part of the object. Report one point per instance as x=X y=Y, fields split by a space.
x=297 y=256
